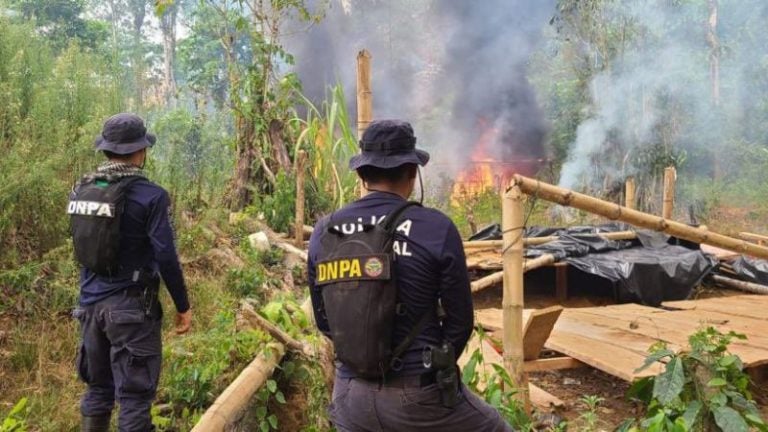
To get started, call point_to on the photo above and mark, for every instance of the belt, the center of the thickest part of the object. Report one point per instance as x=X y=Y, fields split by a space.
x=423 y=380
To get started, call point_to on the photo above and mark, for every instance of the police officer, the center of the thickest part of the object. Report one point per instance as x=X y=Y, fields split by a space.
x=430 y=265
x=120 y=317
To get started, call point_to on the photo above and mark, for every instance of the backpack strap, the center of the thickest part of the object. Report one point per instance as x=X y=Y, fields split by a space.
x=390 y=225
x=410 y=337
x=390 y=222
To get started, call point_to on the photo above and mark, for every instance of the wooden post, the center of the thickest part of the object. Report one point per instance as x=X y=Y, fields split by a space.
x=364 y=94
x=614 y=211
x=513 y=219
x=670 y=176
x=364 y=100
x=629 y=193
x=298 y=227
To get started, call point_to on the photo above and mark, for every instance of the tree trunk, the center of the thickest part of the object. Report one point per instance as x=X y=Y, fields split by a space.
x=714 y=74
x=139 y=10
x=168 y=27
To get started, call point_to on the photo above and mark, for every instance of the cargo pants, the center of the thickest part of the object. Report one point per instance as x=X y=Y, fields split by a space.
x=364 y=406
x=119 y=357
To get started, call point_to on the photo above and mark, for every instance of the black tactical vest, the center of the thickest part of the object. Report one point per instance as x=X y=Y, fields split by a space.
x=95 y=211
x=356 y=273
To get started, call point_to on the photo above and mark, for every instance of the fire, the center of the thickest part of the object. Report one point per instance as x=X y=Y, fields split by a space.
x=483 y=172
x=486 y=171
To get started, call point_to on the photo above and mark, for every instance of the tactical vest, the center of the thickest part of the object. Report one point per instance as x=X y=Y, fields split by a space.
x=356 y=274
x=95 y=212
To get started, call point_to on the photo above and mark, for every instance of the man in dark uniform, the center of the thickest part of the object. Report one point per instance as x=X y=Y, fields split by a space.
x=430 y=265
x=120 y=316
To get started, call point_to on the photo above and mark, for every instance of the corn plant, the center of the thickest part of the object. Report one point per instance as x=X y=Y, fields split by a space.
x=330 y=141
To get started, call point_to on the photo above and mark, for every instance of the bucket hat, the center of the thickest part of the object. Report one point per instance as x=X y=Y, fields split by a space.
x=124 y=133
x=388 y=144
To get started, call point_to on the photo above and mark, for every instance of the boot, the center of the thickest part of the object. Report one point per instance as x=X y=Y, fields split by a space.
x=95 y=424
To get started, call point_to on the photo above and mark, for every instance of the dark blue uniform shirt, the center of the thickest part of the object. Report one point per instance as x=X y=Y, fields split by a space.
x=430 y=265
x=146 y=243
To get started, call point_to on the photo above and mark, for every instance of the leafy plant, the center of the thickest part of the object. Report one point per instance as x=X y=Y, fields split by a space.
x=16 y=420
x=497 y=389
x=704 y=389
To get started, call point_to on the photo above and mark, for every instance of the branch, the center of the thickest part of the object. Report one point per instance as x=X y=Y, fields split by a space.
x=257 y=320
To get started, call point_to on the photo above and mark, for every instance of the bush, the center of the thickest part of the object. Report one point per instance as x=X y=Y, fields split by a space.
x=704 y=389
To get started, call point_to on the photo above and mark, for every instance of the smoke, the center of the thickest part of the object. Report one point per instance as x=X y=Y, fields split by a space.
x=656 y=92
x=453 y=68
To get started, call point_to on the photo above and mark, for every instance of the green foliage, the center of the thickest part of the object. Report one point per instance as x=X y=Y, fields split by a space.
x=53 y=106
x=200 y=365
x=16 y=420
x=497 y=388
x=193 y=157
x=703 y=389
x=330 y=141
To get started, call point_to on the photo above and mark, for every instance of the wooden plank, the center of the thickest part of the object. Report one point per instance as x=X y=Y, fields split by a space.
x=609 y=358
x=555 y=363
x=491 y=319
x=675 y=327
x=750 y=306
x=538 y=327
x=720 y=254
x=540 y=398
x=543 y=400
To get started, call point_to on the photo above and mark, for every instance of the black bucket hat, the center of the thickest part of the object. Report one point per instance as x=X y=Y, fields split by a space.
x=124 y=133
x=388 y=144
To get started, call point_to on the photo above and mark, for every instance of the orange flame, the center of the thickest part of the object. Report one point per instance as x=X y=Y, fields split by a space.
x=483 y=172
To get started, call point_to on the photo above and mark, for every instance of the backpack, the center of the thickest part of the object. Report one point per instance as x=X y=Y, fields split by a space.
x=356 y=274
x=95 y=210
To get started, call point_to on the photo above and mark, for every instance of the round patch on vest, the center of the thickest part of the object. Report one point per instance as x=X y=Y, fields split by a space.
x=373 y=267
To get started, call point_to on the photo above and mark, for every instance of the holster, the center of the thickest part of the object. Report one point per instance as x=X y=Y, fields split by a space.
x=150 y=283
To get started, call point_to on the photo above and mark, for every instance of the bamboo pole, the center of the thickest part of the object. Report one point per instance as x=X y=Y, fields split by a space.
x=533 y=241
x=298 y=229
x=752 y=237
x=513 y=219
x=364 y=101
x=616 y=212
x=495 y=278
x=630 y=188
x=364 y=94
x=668 y=204
x=741 y=285
x=228 y=407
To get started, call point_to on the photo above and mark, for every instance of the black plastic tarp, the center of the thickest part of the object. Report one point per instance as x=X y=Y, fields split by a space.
x=751 y=269
x=648 y=270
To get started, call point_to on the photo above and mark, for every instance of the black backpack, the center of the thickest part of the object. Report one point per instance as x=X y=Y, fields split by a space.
x=356 y=273
x=95 y=211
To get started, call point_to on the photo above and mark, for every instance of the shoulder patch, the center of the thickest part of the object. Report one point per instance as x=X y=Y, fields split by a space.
x=345 y=269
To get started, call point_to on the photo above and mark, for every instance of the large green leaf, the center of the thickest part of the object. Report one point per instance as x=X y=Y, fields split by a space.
x=730 y=420
x=654 y=357
x=691 y=414
x=668 y=385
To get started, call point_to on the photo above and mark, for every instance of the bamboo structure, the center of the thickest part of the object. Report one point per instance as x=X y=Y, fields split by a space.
x=668 y=203
x=298 y=230
x=741 y=285
x=513 y=221
x=364 y=94
x=616 y=212
x=494 y=278
x=630 y=189
x=228 y=407
x=534 y=241
x=752 y=237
